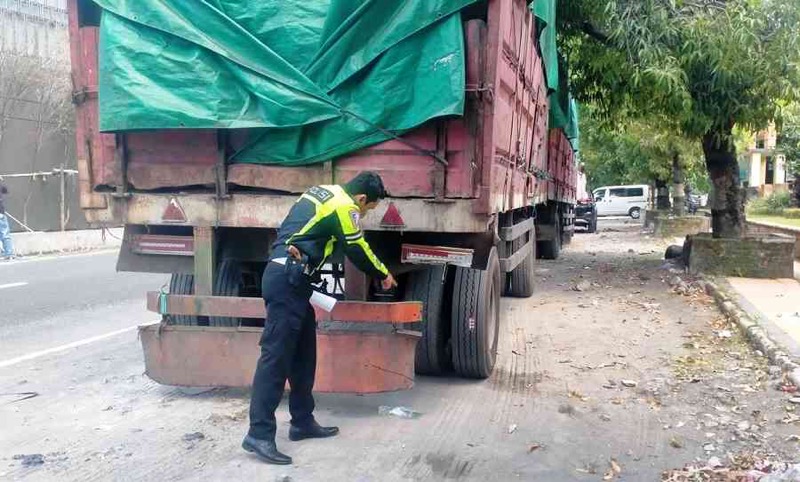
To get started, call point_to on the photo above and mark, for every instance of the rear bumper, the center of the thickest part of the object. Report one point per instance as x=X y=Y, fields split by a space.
x=196 y=356
x=584 y=214
x=362 y=346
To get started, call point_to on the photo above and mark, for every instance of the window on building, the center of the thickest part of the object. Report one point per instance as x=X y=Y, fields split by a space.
x=760 y=143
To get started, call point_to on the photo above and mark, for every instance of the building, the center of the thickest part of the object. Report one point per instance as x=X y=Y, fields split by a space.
x=762 y=169
x=34 y=27
x=36 y=141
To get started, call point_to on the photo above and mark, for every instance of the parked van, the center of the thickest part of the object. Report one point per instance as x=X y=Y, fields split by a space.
x=621 y=200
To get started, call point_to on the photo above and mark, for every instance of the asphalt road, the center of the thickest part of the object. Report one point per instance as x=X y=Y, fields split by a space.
x=52 y=301
x=560 y=406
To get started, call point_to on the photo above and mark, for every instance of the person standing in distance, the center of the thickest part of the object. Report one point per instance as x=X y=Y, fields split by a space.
x=324 y=219
x=5 y=229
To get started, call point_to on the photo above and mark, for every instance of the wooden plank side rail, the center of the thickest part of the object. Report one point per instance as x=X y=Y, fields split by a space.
x=239 y=307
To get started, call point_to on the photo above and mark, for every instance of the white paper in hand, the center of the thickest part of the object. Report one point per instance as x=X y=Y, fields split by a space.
x=323 y=301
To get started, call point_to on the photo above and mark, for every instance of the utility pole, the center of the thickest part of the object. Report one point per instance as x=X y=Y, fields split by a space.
x=63 y=185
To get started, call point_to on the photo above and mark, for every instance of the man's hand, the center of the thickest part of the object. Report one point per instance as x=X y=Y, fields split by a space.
x=294 y=253
x=388 y=283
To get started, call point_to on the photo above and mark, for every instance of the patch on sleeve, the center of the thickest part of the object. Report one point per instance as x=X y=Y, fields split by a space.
x=320 y=193
x=355 y=216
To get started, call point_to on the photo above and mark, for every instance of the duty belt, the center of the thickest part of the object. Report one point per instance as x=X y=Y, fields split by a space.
x=284 y=260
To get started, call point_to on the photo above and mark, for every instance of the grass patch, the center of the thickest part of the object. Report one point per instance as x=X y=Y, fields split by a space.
x=791 y=222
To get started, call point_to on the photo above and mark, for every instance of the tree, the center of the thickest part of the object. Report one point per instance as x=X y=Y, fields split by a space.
x=638 y=153
x=706 y=65
x=789 y=144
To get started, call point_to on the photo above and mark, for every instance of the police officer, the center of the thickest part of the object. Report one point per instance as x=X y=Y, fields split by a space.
x=324 y=219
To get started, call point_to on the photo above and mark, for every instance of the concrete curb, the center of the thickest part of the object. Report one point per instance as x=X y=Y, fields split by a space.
x=39 y=243
x=754 y=332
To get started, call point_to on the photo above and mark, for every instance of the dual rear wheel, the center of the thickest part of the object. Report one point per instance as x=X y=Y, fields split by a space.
x=461 y=317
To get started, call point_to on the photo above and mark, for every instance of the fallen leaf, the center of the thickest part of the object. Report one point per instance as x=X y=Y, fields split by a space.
x=578 y=395
x=534 y=447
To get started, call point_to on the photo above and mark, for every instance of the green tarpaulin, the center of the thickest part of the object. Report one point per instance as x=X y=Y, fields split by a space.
x=545 y=13
x=563 y=109
x=311 y=79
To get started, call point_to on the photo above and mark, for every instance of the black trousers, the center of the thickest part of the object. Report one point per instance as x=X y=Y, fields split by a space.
x=288 y=351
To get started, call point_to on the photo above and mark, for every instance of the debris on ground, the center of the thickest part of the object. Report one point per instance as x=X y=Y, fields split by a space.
x=29 y=460
x=534 y=447
x=193 y=437
x=613 y=471
x=582 y=286
x=578 y=395
x=400 y=412
x=566 y=409
x=736 y=468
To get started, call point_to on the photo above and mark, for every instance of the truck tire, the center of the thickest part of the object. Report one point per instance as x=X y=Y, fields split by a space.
x=635 y=213
x=427 y=286
x=181 y=284
x=475 y=321
x=521 y=280
x=228 y=281
x=551 y=248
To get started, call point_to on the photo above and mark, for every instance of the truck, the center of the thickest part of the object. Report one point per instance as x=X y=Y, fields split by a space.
x=475 y=199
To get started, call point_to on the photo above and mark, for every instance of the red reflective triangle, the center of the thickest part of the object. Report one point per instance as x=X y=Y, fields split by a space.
x=174 y=213
x=392 y=218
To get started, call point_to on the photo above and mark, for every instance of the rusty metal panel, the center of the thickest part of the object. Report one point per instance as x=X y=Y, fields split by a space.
x=204 y=260
x=239 y=307
x=171 y=158
x=94 y=150
x=347 y=362
x=512 y=133
x=406 y=171
x=269 y=210
x=285 y=179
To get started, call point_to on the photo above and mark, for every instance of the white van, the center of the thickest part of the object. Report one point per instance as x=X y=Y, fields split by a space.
x=621 y=200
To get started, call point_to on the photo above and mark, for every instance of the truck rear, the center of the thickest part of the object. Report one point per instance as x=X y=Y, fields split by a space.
x=474 y=198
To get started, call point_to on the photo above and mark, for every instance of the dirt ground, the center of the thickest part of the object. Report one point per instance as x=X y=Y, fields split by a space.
x=605 y=374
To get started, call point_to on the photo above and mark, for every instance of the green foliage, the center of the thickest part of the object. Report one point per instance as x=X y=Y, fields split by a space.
x=637 y=153
x=791 y=213
x=705 y=65
x=789 y=137
x=776 y=203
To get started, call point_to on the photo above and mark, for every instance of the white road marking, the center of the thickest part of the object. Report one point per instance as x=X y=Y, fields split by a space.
x=68 y=346
x=13 y=285
x=51 y=257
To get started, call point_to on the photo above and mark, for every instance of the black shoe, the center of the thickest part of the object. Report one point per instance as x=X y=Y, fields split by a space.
x=314 y=430
x=265 y=450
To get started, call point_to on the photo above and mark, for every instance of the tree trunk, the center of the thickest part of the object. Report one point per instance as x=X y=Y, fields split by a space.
x=678 y=194
x=727 y=201
x=662 y=194
x=796 y=189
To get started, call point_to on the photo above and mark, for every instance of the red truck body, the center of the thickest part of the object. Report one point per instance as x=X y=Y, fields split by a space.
x=507 y=183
